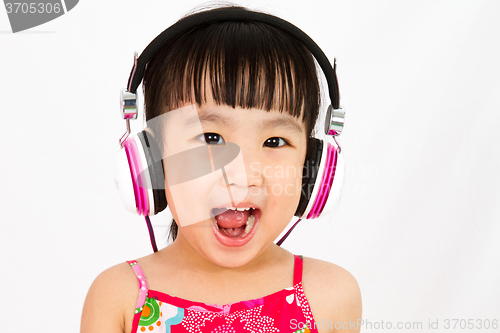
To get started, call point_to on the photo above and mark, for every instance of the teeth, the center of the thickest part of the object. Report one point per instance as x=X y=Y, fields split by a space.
x=251 y=220
x=215 y=221
x=250 y=223
x=238 y=208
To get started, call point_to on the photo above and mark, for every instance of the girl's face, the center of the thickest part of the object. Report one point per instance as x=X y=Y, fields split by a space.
x=264 y=174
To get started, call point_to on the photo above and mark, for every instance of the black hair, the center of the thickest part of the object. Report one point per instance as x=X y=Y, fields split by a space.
x=246 y=64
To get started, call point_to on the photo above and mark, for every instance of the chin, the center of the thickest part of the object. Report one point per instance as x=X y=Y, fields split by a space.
x=232 y=259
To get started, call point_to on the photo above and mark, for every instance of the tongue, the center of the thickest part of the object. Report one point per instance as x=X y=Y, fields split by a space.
x=232 y=219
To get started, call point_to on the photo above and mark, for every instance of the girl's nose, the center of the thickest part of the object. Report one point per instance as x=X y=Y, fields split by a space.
x=254 y=174
x=244 y=171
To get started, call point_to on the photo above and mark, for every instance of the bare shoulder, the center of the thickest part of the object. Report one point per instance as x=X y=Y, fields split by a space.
x=333 y=294
x=324 y=276
x=109 y=305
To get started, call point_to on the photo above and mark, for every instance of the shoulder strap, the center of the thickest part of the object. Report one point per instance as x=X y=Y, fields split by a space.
x=143 y=285
x=297 y=269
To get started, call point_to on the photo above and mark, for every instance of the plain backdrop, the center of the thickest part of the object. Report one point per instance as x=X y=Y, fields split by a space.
x=418 y=222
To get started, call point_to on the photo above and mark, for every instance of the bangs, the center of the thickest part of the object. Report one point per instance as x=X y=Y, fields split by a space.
x=240 y=64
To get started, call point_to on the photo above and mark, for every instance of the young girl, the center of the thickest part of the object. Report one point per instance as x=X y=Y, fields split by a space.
x=254 y=86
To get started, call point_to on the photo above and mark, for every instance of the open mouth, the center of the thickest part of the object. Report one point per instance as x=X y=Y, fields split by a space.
x=234 y=226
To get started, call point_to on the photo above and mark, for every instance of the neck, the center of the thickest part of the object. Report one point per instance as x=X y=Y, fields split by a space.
x=186 y=256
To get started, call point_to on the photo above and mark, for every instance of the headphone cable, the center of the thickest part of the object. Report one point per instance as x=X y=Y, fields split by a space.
x=151 y=234
x=287 y=233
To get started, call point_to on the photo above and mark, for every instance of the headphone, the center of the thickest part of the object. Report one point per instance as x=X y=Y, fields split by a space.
x=139 y=173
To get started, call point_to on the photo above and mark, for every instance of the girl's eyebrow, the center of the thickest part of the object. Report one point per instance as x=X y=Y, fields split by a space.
x=213 y=117
x=208 y=116
x=283 y=122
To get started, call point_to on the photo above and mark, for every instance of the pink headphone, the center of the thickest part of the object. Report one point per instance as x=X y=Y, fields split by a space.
x=139 y=175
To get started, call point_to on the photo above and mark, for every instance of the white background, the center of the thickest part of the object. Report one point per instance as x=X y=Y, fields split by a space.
x=418 y=224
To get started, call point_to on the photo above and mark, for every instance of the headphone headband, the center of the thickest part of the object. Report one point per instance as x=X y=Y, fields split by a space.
x=233 y=14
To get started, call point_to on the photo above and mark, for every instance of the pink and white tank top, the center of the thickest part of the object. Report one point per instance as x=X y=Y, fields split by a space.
x=285 y=311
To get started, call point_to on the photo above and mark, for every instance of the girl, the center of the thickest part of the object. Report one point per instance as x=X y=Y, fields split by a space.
x=253 y=86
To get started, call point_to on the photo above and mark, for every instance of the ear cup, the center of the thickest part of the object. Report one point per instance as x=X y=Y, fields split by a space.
x=139 y=175
x=309 y=174
x=335 y=191
x=153 y=171
x=136 y=163
x=324 y=181
x=320 y=168
x=123 y=180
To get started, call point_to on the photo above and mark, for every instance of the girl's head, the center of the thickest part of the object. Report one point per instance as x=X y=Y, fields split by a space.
x=249 y=74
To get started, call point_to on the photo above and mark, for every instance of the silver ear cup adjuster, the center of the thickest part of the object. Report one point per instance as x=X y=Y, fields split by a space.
x=334 y=121
x=128 y=102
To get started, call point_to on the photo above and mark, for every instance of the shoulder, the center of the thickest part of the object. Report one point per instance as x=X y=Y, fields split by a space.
x=328 y=277
x=333 y=294
x=110 y=302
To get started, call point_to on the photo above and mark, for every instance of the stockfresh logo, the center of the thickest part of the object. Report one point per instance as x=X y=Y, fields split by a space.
x=28 y=14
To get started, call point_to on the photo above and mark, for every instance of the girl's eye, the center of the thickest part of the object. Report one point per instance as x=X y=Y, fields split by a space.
x=212 y=138
x=275 y=142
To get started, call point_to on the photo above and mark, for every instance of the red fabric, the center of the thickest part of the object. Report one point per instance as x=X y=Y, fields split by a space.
x=284 y=311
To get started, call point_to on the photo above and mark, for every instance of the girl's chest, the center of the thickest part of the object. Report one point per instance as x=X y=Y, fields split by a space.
x=286 y=310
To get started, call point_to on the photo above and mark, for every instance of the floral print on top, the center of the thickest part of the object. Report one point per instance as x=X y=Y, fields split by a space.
x=285 y=311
